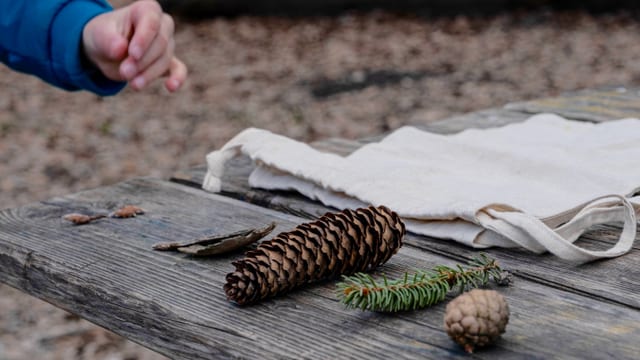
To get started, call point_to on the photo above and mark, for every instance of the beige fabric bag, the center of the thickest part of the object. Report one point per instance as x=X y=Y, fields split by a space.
x=538 y=184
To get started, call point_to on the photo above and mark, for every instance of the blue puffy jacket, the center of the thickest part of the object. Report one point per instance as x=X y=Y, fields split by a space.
x=44 y=37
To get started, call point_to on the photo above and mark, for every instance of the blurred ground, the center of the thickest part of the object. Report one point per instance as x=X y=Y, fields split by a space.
x=309 y=78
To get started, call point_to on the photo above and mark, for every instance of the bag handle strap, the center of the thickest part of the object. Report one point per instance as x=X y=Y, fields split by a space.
x=533 y=234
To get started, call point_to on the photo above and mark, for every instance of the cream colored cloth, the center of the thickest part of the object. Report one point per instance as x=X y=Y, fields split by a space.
x=538 y=184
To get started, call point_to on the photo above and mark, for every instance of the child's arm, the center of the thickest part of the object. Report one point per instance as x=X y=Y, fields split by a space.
x=45 y=38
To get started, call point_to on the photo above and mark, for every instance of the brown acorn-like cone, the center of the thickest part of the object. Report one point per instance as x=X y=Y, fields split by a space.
x=476 y=318
x=336 y=244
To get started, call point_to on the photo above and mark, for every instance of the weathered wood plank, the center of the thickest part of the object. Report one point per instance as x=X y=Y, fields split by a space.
x=589 y=105
x=478 y=120
x=106 y=272
x=482 y=119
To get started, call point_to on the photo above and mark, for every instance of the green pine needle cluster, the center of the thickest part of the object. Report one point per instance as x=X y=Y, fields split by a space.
x=423 y=289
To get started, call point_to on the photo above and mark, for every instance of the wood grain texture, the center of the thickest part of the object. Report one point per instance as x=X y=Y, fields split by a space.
x=589 y=105
x=106 y=272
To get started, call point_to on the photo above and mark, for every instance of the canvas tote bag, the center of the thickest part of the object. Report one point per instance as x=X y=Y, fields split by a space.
x=539 y=184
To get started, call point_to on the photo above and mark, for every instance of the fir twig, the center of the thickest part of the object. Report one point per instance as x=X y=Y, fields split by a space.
x=423 y=289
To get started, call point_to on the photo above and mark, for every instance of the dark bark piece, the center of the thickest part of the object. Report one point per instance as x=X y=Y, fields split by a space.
x=217 y=244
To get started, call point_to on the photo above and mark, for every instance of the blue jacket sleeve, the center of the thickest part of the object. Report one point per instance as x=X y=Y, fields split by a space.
x=44 y=38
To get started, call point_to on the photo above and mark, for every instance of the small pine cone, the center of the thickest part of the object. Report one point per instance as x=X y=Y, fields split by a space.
x=476 y=318
x=337 y=243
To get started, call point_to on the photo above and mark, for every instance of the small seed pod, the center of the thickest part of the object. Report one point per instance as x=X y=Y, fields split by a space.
x=81 y=219
x=127 y=211
x=476 y=318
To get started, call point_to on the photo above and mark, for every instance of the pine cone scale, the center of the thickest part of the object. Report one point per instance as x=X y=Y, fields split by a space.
x=341 y=246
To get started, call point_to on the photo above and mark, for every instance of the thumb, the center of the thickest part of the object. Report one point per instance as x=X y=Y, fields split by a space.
x=103 y=42
x=114 y=47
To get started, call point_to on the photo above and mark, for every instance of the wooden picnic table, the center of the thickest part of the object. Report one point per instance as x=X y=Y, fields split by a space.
x=107 y=273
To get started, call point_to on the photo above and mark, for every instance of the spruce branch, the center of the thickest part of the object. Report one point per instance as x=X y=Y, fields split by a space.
x=423 y=289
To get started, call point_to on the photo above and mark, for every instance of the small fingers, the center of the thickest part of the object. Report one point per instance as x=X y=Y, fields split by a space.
x=177 y=75
x=128 y=69
x=116 y=49
x=153 y=71
x=151 y=48
x=160 y=45
x=146 y=18
x=104 y=45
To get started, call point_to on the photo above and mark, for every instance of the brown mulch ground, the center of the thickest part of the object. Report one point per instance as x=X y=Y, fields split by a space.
x=309 y=78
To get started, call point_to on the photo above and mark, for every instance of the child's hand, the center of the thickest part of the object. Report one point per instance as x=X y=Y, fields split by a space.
x=135 y=44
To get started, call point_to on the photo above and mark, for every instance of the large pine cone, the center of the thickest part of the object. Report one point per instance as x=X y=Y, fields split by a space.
x=336 y=244
x=476 y=318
